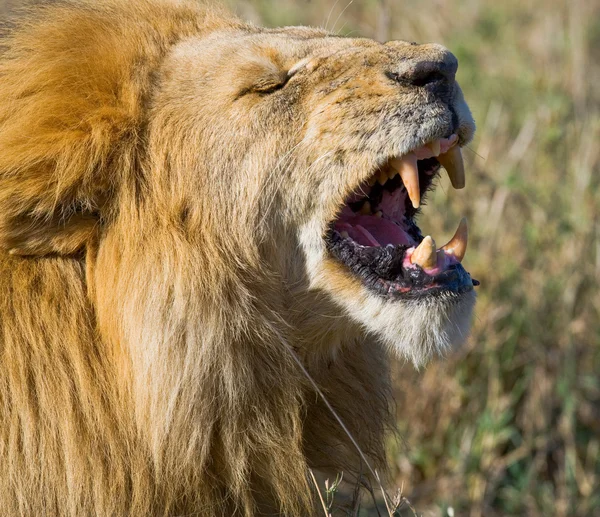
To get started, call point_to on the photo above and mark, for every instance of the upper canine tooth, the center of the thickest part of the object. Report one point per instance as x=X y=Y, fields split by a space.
x=383 y=177
x=452 y=161
x=457 y=246
x=425 y=254
x=435 y=147
x=372 y=181
x=409 y=172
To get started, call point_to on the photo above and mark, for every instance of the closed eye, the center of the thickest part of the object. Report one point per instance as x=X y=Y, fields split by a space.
x=272 y=82
x=270 y=86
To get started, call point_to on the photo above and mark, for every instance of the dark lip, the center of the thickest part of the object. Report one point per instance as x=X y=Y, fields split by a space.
x=455 y=280
x=381 y=270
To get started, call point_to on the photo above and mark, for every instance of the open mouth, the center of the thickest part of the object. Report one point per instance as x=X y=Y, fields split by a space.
x=375 y=234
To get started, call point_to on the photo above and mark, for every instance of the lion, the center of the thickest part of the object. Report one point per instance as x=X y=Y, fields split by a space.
x=209 y=251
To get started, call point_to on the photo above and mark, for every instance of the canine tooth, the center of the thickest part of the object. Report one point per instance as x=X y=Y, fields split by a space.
x=379 y=213
x=382 y=177
x=457 y=246
x=425 y=255
x=452 y=161
x=372 y=181
x=407 y=167
x=345 y=235
x=435 y=147
x=365 y=209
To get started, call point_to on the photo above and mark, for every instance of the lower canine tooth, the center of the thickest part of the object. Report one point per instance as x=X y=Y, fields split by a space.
x=345 y=235
x=452 y=161
x=365 y=209
x=425 y=255
x=458 y=244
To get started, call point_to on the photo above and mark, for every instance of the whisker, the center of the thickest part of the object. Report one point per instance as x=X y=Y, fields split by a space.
x=329 y=15
x=474 y=152
x=340 y=15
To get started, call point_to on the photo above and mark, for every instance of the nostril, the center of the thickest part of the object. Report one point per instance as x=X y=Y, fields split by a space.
x=418 y=78
x=423 y=79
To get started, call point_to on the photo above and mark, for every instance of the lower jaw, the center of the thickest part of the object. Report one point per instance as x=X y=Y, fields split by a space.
x=454 y=281
x=415 y=326
x=388 y=272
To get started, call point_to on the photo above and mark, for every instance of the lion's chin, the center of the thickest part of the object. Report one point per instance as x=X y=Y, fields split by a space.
x=417 y=330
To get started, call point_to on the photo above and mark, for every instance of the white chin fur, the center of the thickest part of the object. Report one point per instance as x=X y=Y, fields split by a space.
x=416 y=329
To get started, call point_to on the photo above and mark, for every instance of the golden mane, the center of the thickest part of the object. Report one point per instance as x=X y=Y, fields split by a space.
x=75 y=80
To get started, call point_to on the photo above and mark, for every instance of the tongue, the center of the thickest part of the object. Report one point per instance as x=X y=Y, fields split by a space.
x=370 y=230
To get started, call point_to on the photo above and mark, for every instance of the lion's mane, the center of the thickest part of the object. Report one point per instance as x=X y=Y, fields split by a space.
x=168 y=389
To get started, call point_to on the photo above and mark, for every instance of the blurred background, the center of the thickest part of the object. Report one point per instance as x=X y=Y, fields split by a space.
x=510 y=424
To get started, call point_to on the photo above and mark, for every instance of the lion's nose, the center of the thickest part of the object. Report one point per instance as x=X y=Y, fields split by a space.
x=429 y=64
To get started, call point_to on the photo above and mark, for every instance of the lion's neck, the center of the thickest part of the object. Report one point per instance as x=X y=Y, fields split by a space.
x=182 y=412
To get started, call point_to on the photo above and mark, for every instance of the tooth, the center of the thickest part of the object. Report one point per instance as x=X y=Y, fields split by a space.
x=392 y=173
x=452 y=161
x=365 y=209
x=382 y=178
x=345 y=235
x=425 y=255
x=458 y=244
x=372 y=181
x=371 y=241
x=435 y=147
x=407 y=167
x=379 y=213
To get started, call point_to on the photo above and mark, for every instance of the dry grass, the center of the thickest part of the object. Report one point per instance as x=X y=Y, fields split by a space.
x=510 y=425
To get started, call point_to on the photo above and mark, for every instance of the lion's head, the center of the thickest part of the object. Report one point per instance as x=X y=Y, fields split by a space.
x=304 y=146
x=231 y=188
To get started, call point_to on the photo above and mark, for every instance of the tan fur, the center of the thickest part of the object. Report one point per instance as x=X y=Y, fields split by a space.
x=162 y=217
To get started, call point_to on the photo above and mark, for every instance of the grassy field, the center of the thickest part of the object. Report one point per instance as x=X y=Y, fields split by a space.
x=509 y=425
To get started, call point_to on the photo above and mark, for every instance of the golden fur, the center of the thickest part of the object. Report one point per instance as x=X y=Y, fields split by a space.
x=161 y=215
